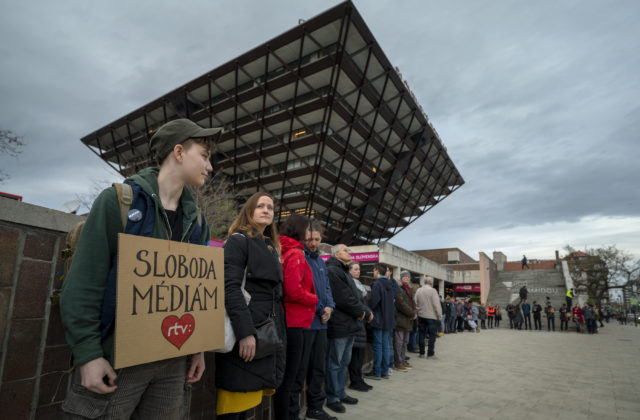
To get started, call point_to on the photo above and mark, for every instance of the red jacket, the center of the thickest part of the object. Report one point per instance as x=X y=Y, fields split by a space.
x=577 y=314
x=300 y=297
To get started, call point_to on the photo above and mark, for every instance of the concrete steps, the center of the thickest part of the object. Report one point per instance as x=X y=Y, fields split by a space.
x=541 y=284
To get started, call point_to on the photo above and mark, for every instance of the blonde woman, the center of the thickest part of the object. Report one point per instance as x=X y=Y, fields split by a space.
x=252 y=250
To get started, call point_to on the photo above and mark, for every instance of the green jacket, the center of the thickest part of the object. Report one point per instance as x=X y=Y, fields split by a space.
x=84 y=285
x=404 y=311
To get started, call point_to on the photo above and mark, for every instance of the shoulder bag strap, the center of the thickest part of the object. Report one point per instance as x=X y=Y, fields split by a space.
x=124 y=192
x=247 y=296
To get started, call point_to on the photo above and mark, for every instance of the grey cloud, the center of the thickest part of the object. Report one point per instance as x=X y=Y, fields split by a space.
x=536 y=102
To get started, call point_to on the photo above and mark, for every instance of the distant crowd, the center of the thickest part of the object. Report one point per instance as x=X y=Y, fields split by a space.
x=585 y=318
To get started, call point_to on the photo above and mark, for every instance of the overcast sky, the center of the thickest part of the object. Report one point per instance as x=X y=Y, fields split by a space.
x=538 y=103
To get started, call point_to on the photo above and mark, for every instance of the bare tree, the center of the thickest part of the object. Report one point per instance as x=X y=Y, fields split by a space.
x=215 y=199
x=97 y=186
x=11 y=145
x=219 y=203
x=601 y=270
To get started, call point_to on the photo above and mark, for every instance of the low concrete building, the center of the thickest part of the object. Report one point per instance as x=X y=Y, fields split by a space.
x=471 y=279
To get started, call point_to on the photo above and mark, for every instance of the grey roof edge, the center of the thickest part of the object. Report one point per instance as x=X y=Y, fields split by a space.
x=16 y=212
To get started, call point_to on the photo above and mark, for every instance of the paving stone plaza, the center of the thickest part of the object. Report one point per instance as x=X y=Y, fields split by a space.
x=509 y=374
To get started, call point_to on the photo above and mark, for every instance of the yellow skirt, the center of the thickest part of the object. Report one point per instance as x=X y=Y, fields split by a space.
x=237 y=402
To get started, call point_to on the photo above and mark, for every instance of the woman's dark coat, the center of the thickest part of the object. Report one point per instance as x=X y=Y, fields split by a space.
x=360 y=340
x=264 y=282
x=344 y=319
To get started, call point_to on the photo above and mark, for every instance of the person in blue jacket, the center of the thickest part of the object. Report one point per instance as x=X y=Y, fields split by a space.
x=526 y=311
x=394 y=291
x=383 y=323
x=314 y=350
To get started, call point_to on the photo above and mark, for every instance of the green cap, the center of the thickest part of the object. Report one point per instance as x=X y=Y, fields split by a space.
x=177 y=132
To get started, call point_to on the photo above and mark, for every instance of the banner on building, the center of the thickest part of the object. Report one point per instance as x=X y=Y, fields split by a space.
x=358 y=257
x=469 y=287
x=170 y=300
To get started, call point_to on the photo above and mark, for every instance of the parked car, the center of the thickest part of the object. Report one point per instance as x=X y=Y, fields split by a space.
x=631 y=315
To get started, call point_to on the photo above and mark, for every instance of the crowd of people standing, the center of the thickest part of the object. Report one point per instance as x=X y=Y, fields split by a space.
x=327 y=318
x=319 y=314
x=584 y=318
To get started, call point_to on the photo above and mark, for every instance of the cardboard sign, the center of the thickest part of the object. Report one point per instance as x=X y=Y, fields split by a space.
x=170 y=300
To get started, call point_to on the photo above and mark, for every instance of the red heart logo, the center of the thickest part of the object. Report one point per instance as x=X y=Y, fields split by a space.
x=177 y=331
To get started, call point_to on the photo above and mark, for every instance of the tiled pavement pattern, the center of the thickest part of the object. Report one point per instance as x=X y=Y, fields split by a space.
x=508 y=374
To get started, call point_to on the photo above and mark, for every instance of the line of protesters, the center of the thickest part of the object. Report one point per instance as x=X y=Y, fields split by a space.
x=464 y=315
x=583 y=318
x=328 y=315
x=461 y=314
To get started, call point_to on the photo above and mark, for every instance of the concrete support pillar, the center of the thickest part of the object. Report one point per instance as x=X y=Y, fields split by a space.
x=500 y=259
x=441 y=288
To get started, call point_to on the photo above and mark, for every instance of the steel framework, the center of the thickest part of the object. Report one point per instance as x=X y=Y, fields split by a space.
x=316 y=116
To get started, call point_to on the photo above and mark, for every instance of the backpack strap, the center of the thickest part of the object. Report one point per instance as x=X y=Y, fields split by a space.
x=198 y=230
x=125 y=198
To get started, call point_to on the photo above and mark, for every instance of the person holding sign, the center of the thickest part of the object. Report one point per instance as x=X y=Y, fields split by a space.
x=251 y=252
x=88 y=299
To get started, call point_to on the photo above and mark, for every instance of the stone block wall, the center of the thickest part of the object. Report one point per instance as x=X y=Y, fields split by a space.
x=34 y=357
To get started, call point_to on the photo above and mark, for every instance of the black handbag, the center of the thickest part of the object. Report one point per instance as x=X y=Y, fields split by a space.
x=268 y=340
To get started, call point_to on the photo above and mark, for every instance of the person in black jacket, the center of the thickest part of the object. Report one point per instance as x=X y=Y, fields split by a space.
x=523 y=294
x=343 y=326
x=511 y=313
x=381 y=303
x=537 y=311
x=517 y=317
x=360 y=341
x=252 y=250
x=550 y=311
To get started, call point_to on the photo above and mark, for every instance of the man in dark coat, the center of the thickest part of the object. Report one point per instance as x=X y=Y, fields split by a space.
x=511 y=313
x=343 y=326
x=537 y=312
x=550 y=311
x=517 y=317
x=381 y=303
x=523 y=294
